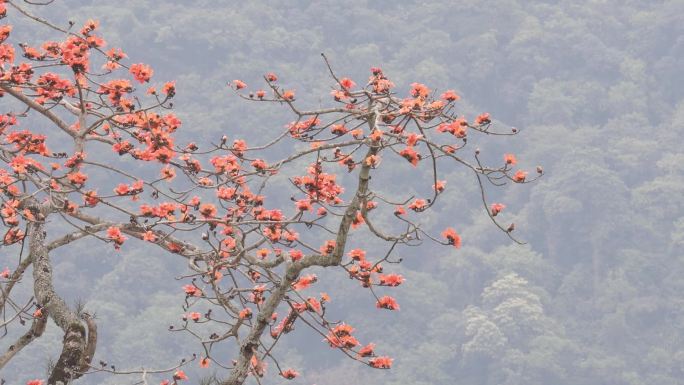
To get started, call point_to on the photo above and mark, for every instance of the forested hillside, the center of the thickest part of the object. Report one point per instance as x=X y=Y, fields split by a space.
x=596 y=88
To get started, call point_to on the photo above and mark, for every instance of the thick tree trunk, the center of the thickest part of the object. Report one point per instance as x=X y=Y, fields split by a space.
x=75 y=349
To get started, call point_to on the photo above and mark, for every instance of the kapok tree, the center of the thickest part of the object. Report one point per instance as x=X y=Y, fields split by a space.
x=208 y=203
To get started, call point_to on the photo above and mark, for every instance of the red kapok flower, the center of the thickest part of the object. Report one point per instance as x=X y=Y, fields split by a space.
x=450 y=96
x=304 y=205
x=141 y=72
x=391 y=279
x=304 y=282
x=169 y=89
x=347 y=83
x=367 y=350
x=452 y=237
x=208 y=210
x=289 y=95
x=357 y=254
x=192 y=291
x=520 y=176
x=149 y=236
x=114 y=233
x=289 y=374
x=510 y=159
x=381 y=362
x=77 y=178
x=179 y=375
x=387 y=302
x=295 y=255
x=418 y=205
x=411 y=155
x=496 y=208
x=204 y=362
x=245 y=313
x=483 y=119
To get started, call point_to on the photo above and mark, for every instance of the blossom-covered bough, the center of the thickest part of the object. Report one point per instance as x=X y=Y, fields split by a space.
x=249 y=261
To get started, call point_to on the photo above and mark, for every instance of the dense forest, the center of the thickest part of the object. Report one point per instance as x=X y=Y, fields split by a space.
x=594 y=86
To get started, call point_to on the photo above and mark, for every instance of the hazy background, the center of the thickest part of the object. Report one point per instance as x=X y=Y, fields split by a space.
x=597 y=89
